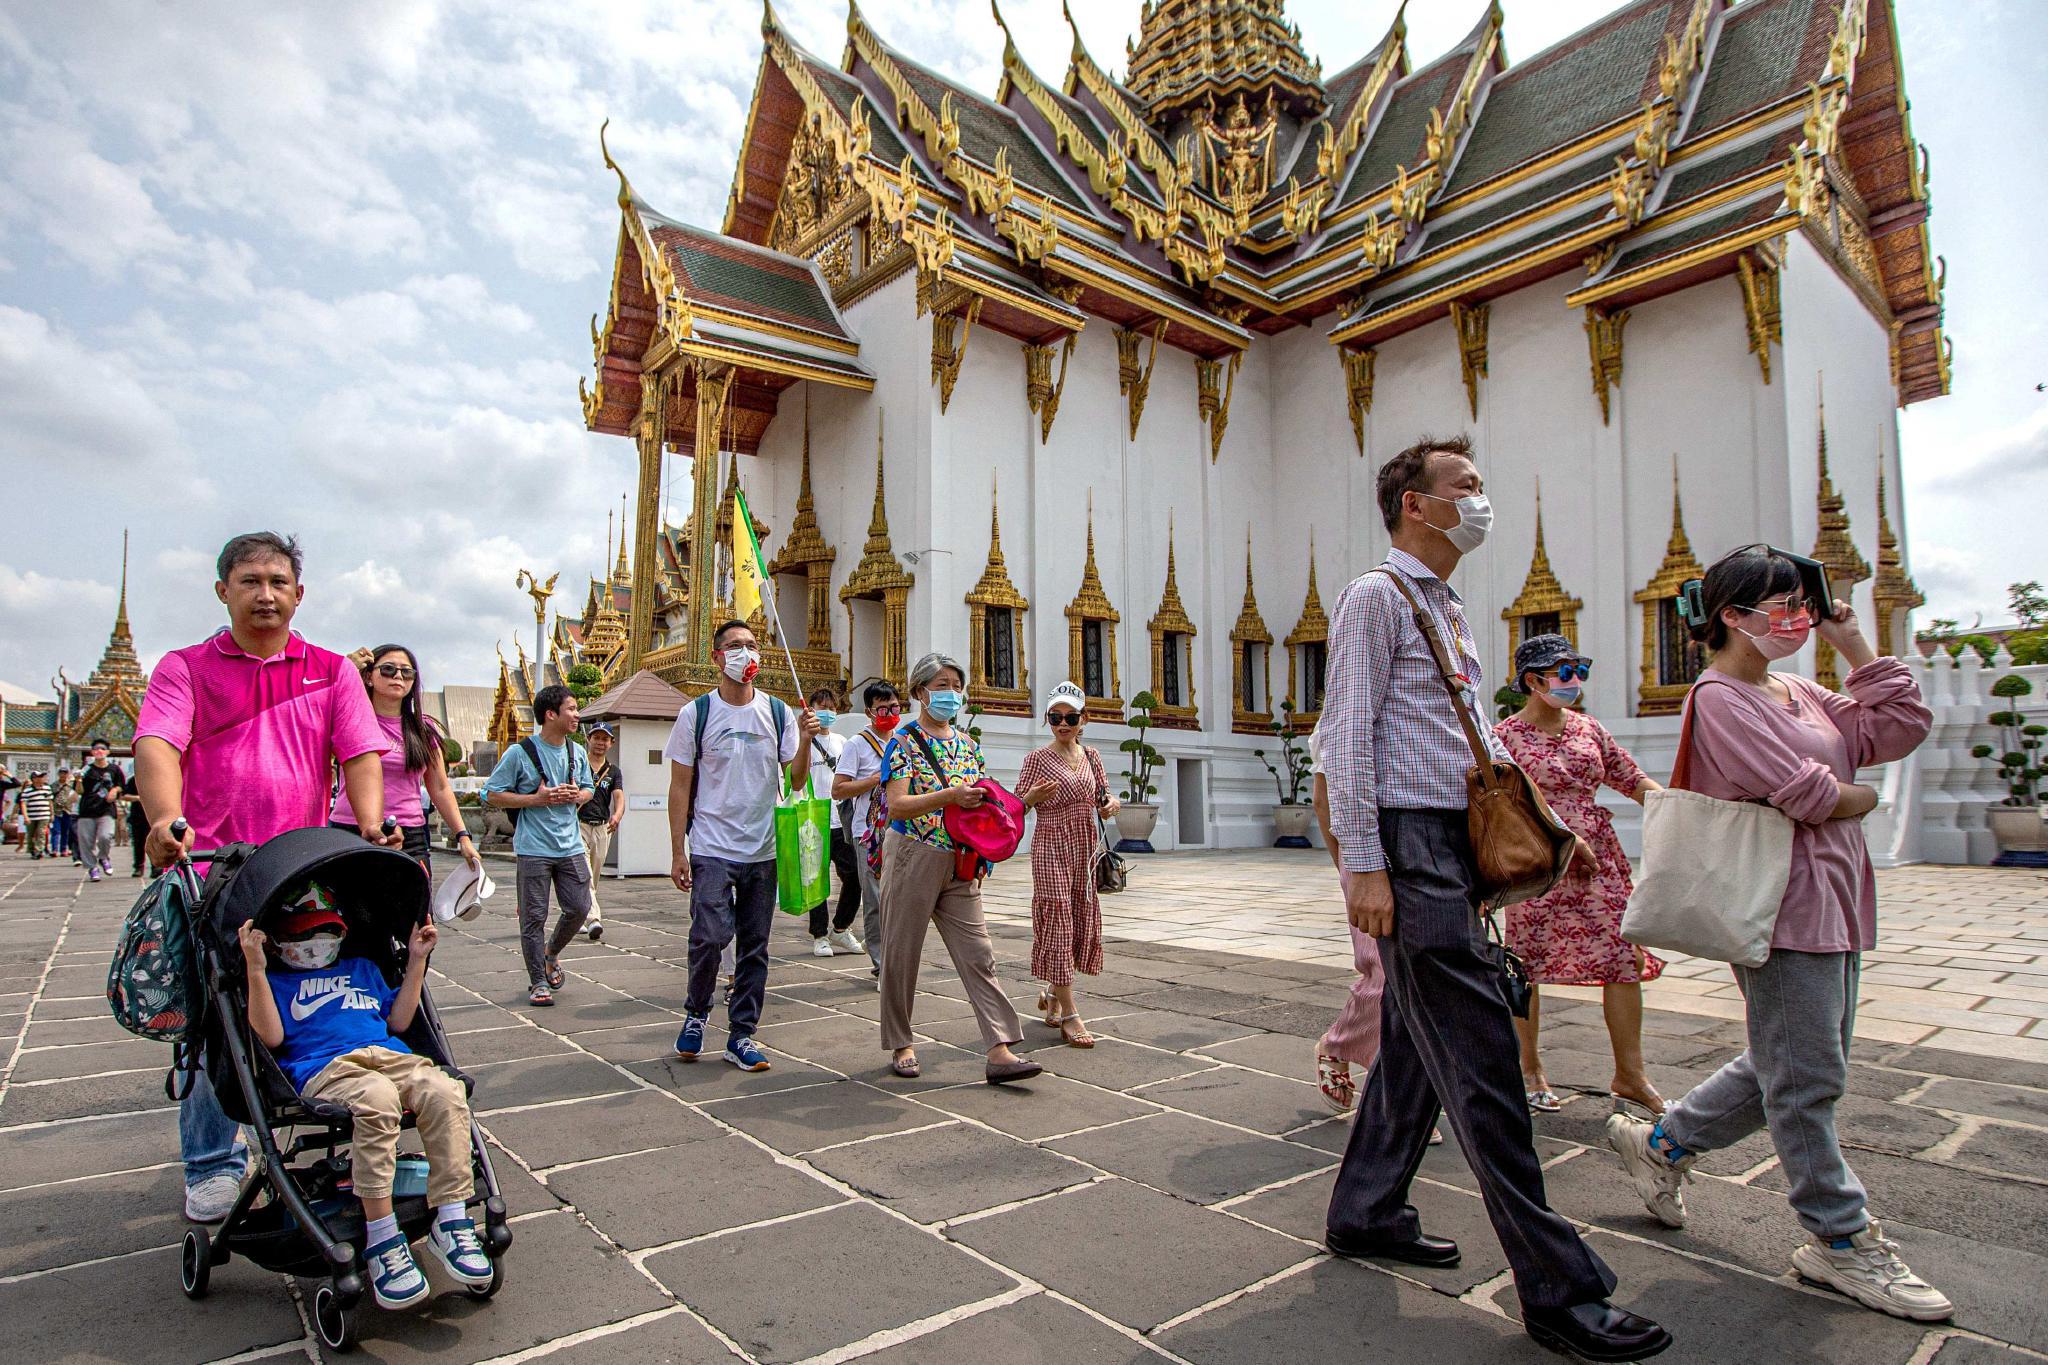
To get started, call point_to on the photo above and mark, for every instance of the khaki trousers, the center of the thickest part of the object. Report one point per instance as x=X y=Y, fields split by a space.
x=597 y=841
x=379 y=1085
x=918 y=890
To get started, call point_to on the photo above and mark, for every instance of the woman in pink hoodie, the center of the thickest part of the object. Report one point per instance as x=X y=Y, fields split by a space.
x=1777 y=738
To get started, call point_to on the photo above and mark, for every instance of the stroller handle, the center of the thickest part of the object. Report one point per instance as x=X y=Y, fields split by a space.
x=180 y=828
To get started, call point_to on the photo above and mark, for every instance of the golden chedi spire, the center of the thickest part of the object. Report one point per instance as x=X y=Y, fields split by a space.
x=621 y=575
x=605 y=632
x=118 y=666
x=1833 y=545
x=1895 y=591
x=878 y=568
x=805 y=543
x=1542 y=594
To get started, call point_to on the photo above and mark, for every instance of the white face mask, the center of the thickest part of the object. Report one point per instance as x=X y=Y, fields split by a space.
x=742 y=664
x=311 y=954
x=1475 y=519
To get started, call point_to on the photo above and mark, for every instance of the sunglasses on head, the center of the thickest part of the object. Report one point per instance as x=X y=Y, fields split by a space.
x=1063 y=719
x=1567 y=672
x=395 y=671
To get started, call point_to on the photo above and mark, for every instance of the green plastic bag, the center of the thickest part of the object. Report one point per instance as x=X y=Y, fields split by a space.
x=803 y=848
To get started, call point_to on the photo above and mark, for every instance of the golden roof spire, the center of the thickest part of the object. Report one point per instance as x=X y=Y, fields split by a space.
x=805 y=543
x=879 y=568
x=620 y=573
x=1250 y=625
x=1895 y=591
x=1172 y=614
x=1679 y=562
x=1542 y=593
x=1315 y=622
x=118 y=665
x=1832 y=544
x=995 y=588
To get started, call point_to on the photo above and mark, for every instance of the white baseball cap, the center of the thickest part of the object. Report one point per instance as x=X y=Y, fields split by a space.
x=462 y=895
x=1066 y=694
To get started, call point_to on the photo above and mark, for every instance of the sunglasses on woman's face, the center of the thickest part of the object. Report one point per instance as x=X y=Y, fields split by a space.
x=887 y=708
x=394 y=671
x=1567 y=672
x=1063 y=718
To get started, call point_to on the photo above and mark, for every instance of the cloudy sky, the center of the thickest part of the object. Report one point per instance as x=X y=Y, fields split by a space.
x=329 y=268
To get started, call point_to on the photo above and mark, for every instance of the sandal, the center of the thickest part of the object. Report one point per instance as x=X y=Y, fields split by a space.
x=906 y=1067
x=551 y=968
x=1077 y=1037
x=1651 y=1102
x=1048 y=1007
x=1333 y=1078
x=1543 y=1101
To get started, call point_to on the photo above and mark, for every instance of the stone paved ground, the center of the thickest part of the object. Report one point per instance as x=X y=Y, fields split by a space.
x=1158 y=1197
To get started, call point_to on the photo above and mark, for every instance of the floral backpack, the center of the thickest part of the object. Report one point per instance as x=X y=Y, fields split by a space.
x=878 y=809
x=153 y=983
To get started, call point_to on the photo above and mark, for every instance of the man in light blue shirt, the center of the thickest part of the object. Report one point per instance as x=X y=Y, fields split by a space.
x=542 y=780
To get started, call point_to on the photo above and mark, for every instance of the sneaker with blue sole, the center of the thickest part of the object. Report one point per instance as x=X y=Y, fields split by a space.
x=744 y=1053
x=460 y=1251
x=394 y=1279
x=690 y=1041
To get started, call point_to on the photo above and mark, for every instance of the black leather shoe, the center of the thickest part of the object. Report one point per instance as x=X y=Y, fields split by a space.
x=1422 y=1250
x=1595 y=1331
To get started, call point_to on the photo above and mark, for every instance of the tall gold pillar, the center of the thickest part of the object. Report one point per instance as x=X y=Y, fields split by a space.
x=714 y=384
x=650 y=432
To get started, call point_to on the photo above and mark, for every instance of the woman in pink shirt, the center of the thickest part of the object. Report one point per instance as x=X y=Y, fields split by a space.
x=1776 y=738
x=414 y=757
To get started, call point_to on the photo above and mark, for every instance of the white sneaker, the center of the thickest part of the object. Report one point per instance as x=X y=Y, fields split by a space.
x=821 y=947
x=1869 y=1270
x=843 y=941
x=595 y=929
x=1659 y=1181
x=212 y=1199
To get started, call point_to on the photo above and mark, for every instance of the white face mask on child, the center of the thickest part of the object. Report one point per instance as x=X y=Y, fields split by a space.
x=311 y=954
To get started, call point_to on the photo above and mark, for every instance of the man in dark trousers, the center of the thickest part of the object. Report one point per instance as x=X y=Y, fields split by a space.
x=1394 y=761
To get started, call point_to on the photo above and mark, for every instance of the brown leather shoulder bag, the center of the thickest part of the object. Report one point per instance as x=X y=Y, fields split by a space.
x=1519 y=845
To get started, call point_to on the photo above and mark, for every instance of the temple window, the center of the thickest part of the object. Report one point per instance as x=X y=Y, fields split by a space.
x=1091 y=638
x=1173 y=646
x=1251 y=700
x=1308 y=652
x=1543 y=607
x=1671 y=660
x=996 y=679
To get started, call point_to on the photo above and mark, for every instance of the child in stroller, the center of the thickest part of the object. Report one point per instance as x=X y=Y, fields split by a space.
x=331 y=1023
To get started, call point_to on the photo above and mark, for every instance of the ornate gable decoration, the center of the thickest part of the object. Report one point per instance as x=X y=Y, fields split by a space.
x=1542 y=594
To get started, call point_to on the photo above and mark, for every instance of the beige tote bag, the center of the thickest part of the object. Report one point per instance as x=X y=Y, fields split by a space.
x=1714 y=872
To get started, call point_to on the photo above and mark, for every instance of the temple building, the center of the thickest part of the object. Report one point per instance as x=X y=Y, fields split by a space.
x=1097 y=370
x=44 y=735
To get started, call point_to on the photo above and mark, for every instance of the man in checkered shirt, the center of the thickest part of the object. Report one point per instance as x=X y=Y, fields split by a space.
x=1395 y=758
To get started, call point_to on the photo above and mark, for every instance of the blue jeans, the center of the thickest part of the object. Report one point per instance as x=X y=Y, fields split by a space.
x=730 y=902
x=209 y=1142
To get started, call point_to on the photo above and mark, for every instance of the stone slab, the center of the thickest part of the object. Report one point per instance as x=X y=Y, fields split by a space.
x=883 y=1273
x=1039 y=1330
x=127 y=1054
x=1248 y=1099
x=1878 y=1126
x=1049 y=1106
x=821 y=1115
x=58 y=1225
x=710 y=1078
x=539 y=1080
x=95 y=1029
x=1980 y=1207
x=1115 y=1065
x=69 y=1099
x=560 y=1279
x=1132 y=1254
x=1302 y=1210
x=1341 y=1313
x=947 y=1172
x=35 y=1156
x=132 y=1309
x=1168 y=1029
x=506 y=1045
x=1280 y=1054
x=1190 y=1157
x=2010 y=1102
x=2008 y=1148
x=664 y=1196
x=674 y=1338
x=1996 y=1290
x=599 y=1126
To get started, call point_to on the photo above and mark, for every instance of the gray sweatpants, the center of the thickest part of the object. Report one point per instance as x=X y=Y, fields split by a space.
x=871 y=904
x=94 y=836
x=1801 y=1010
x=570 y=879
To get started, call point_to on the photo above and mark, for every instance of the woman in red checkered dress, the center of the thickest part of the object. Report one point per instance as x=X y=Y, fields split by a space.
x=1064 y=783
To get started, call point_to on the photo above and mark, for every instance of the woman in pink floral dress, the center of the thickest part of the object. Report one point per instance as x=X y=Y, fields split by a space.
x=1572 y=936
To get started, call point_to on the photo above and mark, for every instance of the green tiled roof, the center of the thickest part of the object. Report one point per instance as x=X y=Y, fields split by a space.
x=1398 y=139
x=1507 y=206
x=1343 y=90
x=986 y=129
x=1699 y=177
x=842 y=90
x=1564 y=94
x=725 y=274
x=40 y=719
x=1487 y=260
x=1763 y=48
x=1726 y=221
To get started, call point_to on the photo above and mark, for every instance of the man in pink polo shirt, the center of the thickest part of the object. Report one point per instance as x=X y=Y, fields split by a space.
x=237 y=737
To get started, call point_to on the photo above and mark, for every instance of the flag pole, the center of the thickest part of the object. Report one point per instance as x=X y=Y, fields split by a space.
x=767 y=582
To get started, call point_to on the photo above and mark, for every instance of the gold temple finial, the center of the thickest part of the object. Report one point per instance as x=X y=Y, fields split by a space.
x=995 y=522
x=620 y=573
x=1169 y=550
x=771 y=23
x=878 y=524
x=121 y=610
x=625 y=186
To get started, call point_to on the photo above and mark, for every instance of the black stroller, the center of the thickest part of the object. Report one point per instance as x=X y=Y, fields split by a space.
x=310 y=1224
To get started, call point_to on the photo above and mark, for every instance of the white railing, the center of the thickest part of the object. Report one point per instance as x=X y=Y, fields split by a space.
x=1935 y=800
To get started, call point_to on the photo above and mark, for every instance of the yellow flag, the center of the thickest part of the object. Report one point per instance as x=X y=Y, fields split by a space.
x=748 y=572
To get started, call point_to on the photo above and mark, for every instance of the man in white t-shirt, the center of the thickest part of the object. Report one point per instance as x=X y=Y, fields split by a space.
x=858 y=774
x=726 y=755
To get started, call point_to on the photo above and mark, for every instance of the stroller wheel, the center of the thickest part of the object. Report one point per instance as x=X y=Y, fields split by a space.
x=484 y=1291
x=195 y=1264
x=336 y=1325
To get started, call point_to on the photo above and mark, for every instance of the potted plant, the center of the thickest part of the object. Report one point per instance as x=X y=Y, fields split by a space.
x=1138 y=814
x=1294 y=816
x=2016 y=822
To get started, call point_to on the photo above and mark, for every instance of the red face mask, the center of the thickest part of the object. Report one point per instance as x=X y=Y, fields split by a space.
x=884 y=724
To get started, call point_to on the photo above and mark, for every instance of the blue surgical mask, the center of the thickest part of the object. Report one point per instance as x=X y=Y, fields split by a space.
x=1564 y=696
x=942 y=705
x=828 y=718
